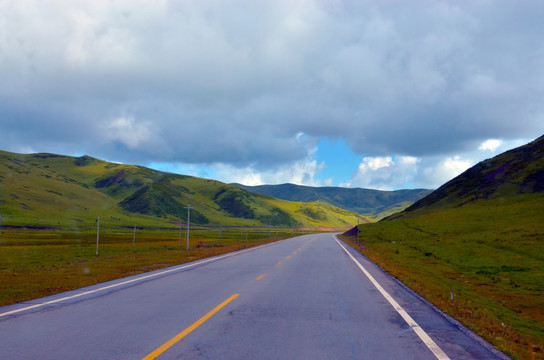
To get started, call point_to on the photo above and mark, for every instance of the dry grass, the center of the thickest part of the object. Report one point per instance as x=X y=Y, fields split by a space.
x=29 y=270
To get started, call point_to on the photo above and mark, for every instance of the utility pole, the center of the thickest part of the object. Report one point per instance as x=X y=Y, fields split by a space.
x=97 y=233
x=188 y=223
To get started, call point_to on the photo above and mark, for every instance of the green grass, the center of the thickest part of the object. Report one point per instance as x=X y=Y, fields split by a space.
x=490 y=253
x=36 y=263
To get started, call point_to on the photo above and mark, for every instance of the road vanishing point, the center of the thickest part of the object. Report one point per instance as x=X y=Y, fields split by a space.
x=309 y=297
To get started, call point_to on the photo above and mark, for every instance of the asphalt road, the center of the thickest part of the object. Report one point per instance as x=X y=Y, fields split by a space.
x=303 y=298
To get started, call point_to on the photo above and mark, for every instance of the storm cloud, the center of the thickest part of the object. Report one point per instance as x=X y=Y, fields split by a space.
x=258 y=83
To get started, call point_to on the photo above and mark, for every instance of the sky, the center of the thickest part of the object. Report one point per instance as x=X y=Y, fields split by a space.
x=375 y=94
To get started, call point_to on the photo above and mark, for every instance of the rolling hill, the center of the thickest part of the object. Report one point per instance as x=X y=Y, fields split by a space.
x=518 y=171
x=474 y=247
x=56 y=190
x=374 y=204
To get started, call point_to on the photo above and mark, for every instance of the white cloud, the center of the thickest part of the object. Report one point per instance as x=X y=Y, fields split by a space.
x=128 y=131
x=385 y=173
x=253 y=85
x=375 y=163
x=300 y=173
x=447 y=169
x=490 y=145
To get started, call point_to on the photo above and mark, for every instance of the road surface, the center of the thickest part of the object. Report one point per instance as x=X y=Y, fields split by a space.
x=302 y=298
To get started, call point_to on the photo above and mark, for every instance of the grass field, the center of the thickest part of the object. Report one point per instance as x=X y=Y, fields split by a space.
x=36 y=263
x=489 y=254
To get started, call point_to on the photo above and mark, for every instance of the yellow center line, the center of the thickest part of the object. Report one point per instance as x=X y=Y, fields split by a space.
x=278 y=264
x=187 y=331
x=288 y=257
x=262 y=276
x=294 y=252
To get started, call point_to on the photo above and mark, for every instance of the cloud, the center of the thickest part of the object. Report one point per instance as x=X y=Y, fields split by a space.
x=129 y=132
x=490 y=145
x=445 y=170
x=254 y=85
x=430 y=172
x=385 y=173
x=300 y=172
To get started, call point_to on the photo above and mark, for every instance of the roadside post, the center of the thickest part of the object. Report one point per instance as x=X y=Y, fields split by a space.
x=97 y=233
x=188 y=223
x=180 y=232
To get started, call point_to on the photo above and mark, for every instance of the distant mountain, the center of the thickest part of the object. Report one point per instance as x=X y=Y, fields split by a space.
x=514 y=172
x=371 y=203
x=63 y=190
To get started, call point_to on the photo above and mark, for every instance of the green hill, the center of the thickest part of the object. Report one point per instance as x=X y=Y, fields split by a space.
x=374 y=204
x=514 y=172
x=61 y=191
x=481 y=237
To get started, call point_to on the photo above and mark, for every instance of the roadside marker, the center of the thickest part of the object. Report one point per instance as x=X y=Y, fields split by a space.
x=97 y=233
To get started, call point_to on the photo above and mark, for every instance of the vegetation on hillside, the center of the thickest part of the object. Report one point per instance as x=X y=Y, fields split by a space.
x=479 y=239
x=373 y=204
x=55 y=190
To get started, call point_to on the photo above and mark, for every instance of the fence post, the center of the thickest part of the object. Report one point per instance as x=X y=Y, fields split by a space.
x=134 y=237
x=180 y=232
x=97 y=233
x=188 y=223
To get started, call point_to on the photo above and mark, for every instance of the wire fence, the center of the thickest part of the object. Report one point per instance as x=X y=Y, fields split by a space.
x=23 y=231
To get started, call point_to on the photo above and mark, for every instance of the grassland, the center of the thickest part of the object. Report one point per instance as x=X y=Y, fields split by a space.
x=489 y=253
x=38 y=262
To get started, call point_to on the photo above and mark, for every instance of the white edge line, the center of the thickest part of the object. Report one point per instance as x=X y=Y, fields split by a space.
x=435 y=349
x=131 y=281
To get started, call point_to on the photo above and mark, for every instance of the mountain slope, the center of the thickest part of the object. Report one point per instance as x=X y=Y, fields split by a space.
x=61 y=190
x=520 y=170
x=475 y=247
x=372 y=203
